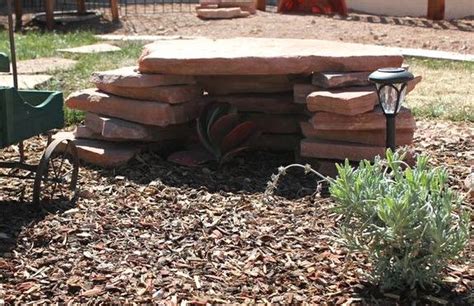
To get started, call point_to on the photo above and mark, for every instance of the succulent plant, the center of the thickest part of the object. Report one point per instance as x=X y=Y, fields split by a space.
x=222 y=135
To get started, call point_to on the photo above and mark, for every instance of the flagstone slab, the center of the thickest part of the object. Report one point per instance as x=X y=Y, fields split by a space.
x=221 y=13
x=374 y=120
x=25 y=81
x=262 y=56
x=118 y=129
x=337 y=79
x=347 y=101
x=101 y=153
x=229 y=84
x=44 y=64
x=370 y=137
x=327 y=149
x=145 y=112
x=92 y=49
x=302 y=90
x=131 y=77
x=262 y=103
x=166 y=94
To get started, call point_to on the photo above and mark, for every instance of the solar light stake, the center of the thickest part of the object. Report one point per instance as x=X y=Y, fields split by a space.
x=391 y=84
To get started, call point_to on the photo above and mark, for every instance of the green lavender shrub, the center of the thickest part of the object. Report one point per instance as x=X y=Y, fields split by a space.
x=407 y=221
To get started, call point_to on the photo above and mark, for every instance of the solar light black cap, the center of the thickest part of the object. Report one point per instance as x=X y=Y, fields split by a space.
x=391 y=76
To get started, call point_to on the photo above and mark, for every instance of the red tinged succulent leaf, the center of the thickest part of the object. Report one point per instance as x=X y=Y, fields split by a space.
x=238 y=136
x=233 y=153
x=190 y=158
x=222 y=127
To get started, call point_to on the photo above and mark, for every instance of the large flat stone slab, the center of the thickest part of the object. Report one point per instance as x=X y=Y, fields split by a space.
x=368 y=121
x=131 y=77
x=369 y=137
x=327 y=149
x=166 y=94
x=346 y=102
x=91 y=49
x=302 y=90
x=262 y=56
x=262 y=103
x=338 y=79
x=221 y=13
x=228 y=84
x=42 y=65
x=102 y=153
x=118 y=129
x=145 y=112
x=25 y=81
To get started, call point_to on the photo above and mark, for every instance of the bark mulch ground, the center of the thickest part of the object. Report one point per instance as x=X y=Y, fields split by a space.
x=156 y=232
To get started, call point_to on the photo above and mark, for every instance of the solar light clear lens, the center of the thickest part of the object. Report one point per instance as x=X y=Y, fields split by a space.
x=389 y=97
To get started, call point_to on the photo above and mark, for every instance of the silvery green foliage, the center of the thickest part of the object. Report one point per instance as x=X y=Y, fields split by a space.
x=406 y=220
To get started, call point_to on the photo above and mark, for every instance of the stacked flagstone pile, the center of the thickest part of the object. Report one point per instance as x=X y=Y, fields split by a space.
x=225 y=9
x=127 y=109
x=280 y=84
x=347 y=121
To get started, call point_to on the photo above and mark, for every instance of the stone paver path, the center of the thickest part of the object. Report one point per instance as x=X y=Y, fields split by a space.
x=96 y=48
x=25 y=81
x=42 y=65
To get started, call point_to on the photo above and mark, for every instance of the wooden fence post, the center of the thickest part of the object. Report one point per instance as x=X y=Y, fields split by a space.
x=436 y=9
x=18 y=14
x=81 y=7
x=114 y=10
x=49 y=7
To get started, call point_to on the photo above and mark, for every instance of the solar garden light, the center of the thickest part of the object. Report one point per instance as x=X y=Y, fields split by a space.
x=391 y=84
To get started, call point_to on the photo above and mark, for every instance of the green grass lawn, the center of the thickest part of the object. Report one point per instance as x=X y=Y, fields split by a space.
x=446 y=92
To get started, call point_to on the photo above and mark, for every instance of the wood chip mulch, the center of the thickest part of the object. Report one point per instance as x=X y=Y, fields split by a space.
x=156 y=232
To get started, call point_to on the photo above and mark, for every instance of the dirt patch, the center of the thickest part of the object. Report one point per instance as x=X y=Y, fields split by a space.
x=153 y=231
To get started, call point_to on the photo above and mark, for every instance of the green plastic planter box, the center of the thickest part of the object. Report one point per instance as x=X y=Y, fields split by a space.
x=26 y=113
x=4 y=63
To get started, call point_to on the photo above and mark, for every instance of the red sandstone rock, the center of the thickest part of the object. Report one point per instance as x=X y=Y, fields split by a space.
x=346 y=102
x=275 y=124
x=118 y=129
x=130 y=77
x=221 y=13
x=146 y=112
x=368 y=121
x=224 y=85
x=244 y=5
x=102 y=153
x=338 y=79
x=327 y=149
x=301 y=92
x=262 y=56
x=166 y=94
x=262 y=103
x=369 y=137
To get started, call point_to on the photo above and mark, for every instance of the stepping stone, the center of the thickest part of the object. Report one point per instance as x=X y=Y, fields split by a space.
x=131 y=77
x=346 y=102
x=244 y=5
x=91 y=49
x=368 y=121
x=145 y=112
x=165 y=94
x=102 y=153
x=277 y=142
x=224 y=85
x=221 y=13
x=42 y=65
x=370 y=137
x=25 y=81
x=262 y=103
x=336 y=79
x=275 y=124
x=262 y=56
x=327 y=149
x=118 y=129
x=83 y=132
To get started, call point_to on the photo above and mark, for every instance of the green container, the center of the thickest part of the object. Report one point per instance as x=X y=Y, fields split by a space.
x=4 y=63
x=26 y=113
